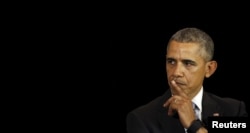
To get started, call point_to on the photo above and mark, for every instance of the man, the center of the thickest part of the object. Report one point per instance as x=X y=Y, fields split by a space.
x=188 y=62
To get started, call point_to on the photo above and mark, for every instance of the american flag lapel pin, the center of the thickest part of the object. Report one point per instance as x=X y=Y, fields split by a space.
x=216 y=114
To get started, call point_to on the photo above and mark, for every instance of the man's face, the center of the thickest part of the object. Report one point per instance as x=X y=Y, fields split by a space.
x=186 y=66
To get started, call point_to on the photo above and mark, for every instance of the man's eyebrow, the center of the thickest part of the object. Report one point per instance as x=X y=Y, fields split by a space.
x=169 y=58
x=188 y=60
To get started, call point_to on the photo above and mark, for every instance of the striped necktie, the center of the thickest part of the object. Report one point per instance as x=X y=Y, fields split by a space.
x=196 y=110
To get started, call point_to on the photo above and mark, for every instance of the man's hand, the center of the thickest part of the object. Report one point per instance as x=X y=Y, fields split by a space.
x=180 y=103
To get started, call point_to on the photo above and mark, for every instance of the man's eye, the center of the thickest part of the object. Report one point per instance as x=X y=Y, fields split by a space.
x=188 y=63
x=170 y=62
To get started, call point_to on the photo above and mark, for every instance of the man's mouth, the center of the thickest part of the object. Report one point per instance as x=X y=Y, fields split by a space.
x=180 y=83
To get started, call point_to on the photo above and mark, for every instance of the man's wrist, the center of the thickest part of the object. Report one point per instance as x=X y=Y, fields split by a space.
x=195 y=126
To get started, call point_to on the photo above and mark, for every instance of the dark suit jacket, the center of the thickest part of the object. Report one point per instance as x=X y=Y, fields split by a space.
x=153 y=118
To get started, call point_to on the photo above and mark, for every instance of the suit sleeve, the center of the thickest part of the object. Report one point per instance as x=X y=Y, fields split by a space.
x=242 y=110
x=135 y=124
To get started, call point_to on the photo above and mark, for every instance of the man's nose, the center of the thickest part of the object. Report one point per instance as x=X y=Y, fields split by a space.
x=178 y=70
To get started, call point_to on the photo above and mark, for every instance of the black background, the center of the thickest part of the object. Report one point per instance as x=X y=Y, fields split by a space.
x=138 y=42
x=59 y=82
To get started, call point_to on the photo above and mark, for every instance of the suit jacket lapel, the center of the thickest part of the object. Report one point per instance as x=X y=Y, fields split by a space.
x=210 y=108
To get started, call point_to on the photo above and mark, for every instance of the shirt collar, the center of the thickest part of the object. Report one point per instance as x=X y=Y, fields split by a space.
x=198 y=98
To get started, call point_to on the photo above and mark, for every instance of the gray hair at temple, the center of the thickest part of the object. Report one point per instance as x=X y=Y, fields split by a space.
x=195 y=35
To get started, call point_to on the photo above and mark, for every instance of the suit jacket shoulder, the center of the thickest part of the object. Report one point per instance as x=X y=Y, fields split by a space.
x=224 y=105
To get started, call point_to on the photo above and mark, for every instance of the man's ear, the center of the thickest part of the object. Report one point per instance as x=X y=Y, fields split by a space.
x=211 y=66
